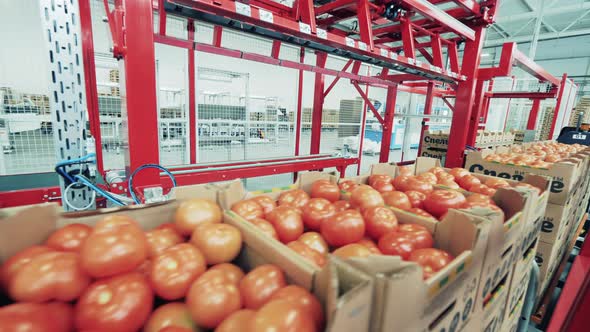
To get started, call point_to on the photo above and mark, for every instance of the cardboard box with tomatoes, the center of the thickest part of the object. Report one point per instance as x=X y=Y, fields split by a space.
x=344 y=292
x=403 y=300
x=565 y=174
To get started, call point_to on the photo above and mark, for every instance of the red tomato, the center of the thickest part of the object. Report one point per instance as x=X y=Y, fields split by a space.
x=397 y=199
x=352 y=250
x=248 y=209
x=432 y=260
x=340 y=206
x=397 y=244
x=445 y=177
x=417 y=185
x=267 y=203
x=458 y=172
x=144 y=268
x=369 y=244
x=449 y=183
x=176 y=329
x=113 y=248
x=528 y=186
x=343 y=228
x=210 y=303
x=260 y=284
x=400 y=182
x=194 y=212
x=233 y=273
x=219 y=243
x=34 y=317
x=306 y=252
x=121 y=303
x=69 y=238
x=427 y=177
x=266 y=227
x=315 y=241
x=161 y=239
x=16 y=262
x=174 y=314
x=315 y=211
x=305 y=300
x=49 y=276
x=284 y=316
x=421 y=213
x=496 y=183
x=379 y=220
x=169 y=225
x=420 y=235
x=440 y=201
x=416 y=198
x=216 y=276
x=348 y=185
x=173 y=271
x=482 y=189
x=295 y=197
x=382 y=186
x=325 y=189
x=365 y=197
x=480 y=198
x=237 y=322
x=287 y=222
x=406 y=170
x=437 y=170
x=378 y=177
x=467 y=181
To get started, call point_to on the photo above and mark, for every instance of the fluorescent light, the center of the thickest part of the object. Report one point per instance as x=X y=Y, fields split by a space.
x=485 y=54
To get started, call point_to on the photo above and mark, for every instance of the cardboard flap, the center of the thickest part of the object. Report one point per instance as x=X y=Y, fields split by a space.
x=539 y=181
x=510 y=201
x=208 y=191
x=22 y=228
x=423 y=164
x=306 y=179
x=148 y=215
x=384 y=168
x=231 y=193
x=349 y=304
x=457 y=232
x=405 y=217
x=379 y=264
x=363 y=179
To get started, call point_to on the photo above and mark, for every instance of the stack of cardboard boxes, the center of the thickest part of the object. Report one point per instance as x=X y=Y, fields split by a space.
x=436 y=142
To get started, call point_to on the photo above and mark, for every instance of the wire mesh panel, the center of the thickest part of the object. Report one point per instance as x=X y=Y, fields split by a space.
x=26 y=139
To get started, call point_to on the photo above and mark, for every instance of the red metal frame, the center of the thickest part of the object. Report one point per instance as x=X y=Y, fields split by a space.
x=532 y=121
x=192 y=108
x=427 y=111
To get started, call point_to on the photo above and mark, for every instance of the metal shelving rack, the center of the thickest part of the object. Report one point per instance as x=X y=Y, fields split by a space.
x=414 y=44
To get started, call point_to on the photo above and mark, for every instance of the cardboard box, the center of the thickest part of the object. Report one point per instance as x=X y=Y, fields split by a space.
x=436 y=139
x=520 y=279
x=492 y=317
x=555 y=221
x=512 y=320
x=344 y=291
x=436 y=154
x=404 y=302
x=564 y=175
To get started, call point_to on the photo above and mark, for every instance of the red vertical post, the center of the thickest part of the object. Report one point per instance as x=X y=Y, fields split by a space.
x=192 y=109
x=437 y=54
x=508 y=106
x=408 y=39
x=365 y=23
x=486 y=105
x=427 y=111
x=318 y=105
x=140 y=117
x=560 y=102
x=530 y=125
x=464 y=99
x=217 y=34
x=162 y=17
x=90 y=80
x=388 y=123
x=299 y=107
x=363 y=125
x=453 y=55
x=475 y=113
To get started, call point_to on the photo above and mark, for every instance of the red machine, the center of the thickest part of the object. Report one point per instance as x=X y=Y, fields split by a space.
x=387 y=34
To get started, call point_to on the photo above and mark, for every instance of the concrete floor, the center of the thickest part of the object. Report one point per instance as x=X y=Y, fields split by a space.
x=34 y=153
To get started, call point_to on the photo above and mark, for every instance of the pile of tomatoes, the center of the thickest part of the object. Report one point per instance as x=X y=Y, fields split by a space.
x=320 y=222
x=110 y=277
x=536 y=155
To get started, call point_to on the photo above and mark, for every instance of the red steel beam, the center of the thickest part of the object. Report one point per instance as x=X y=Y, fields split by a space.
x=140 y=88
x=427 y=111
x=305 y=12
x=276 y=49
x=192 y=108
x=388 y=123
x=299 y=103
x=453 y=55
x=532 y=121
x=437 y=53
x=457 y=13
x=368 y=103
x=333 y=6
x=363 y=127
x=162 y=17
x=13 y=198
x=464 y=100
x=217 y=35
x=337 y=78
x=408 y=39
x=90 y=81
x=521 y=95
x=365 y=24
x=439 y=16
x=451 y=106
x=475 y=113
x=318 y=105
x=531 y=67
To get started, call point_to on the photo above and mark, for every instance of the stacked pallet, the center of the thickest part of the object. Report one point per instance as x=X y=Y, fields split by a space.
x=436 y=142
x=114 y=78
x=546 y=122
x=580 y=112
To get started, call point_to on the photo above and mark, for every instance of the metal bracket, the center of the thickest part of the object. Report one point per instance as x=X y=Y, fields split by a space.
x=115 y=20
x=60 y=19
